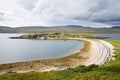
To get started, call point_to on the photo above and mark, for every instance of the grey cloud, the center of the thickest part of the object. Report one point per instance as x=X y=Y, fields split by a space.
x=47 y=12
x=91 y=10
x=1 y=16
x=28 y=4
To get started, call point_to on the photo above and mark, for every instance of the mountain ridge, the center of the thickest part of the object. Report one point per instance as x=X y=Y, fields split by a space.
x=68 y=28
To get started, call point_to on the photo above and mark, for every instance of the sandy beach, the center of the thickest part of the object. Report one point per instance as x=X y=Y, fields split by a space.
x=98 y=52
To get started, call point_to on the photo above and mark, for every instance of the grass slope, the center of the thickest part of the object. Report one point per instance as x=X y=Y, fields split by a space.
x=109 y=71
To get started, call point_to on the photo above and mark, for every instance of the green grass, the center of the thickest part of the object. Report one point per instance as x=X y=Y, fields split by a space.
x=60 y=35
x=76 y=35
x=109 y=71
x=115 y=62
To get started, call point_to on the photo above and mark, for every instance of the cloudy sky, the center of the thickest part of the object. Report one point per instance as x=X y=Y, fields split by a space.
x=96 y=13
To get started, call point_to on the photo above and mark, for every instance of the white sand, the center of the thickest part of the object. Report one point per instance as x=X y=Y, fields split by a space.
x=100 y=52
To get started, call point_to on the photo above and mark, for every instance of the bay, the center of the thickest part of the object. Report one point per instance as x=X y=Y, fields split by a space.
x=17 y=50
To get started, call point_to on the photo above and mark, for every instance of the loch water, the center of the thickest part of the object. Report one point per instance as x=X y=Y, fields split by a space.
x=16 y=50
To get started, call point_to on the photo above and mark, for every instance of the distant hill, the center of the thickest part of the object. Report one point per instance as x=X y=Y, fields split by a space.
x=75 y=26
x=116 y=27
x=4 y=27
x=68 y=28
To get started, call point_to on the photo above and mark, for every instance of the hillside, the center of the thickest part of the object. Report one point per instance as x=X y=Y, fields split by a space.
x=69 y=28
x=116 y=27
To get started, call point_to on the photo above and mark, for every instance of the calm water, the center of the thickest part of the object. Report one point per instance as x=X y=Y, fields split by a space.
x=111 y=36
x=15 y=50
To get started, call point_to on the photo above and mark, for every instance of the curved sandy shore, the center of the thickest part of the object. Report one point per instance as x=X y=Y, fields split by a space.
x=100 y=52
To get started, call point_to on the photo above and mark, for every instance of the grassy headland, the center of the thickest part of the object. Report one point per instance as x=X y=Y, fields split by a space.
x=109 y=71
x=57 y=36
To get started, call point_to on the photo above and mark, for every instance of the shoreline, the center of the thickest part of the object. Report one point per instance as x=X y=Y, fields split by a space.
x=69 y=51
x=101 y=52
x=83 y=57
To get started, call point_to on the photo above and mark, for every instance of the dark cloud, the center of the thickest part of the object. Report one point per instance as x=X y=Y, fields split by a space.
x=45 y=12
